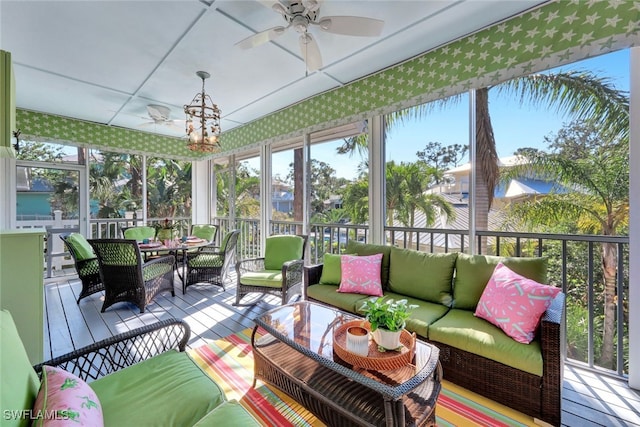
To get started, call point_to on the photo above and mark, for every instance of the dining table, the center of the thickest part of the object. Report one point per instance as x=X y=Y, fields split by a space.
x=176 y=247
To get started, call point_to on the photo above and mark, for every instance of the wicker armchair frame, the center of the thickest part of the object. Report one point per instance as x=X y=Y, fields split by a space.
x=88 y=271
x=204 y=268
x=123 y=273
x=112 y=354
x=292 y=275
x=539 y=397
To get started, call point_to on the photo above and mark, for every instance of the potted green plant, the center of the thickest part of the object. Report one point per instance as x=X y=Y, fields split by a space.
x=387 y=319
x=164 y=229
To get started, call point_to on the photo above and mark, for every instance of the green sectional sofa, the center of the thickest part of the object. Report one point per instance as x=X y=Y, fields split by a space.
x=141 y=377
x=474 y=353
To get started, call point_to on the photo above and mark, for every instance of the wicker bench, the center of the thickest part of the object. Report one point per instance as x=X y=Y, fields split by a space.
x=537 y=394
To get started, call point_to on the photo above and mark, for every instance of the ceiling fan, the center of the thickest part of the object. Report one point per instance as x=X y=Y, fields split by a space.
x=160 y=115
x=302 y=14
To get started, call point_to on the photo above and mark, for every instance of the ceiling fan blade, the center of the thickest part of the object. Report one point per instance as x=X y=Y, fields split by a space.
x=261 y=38
x=310 y=52
x=351 y=25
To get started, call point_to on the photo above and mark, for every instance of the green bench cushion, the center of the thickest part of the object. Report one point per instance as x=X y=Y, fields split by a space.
x=461 y=329
x=473 y=273
x=422 y=275
x=331 y=269
x=268 y=278
x=168 y=389
x=20 y=383
x=329 y=294
x=228 y=414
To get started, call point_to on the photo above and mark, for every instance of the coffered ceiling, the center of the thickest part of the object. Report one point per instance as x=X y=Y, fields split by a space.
x=105 y=61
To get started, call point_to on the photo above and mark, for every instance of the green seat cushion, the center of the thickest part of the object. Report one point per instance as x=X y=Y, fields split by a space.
x=140 y=233
x=228 y=414
x=168 y=389
x=329 y=294
x=280 y=249
x=474 y=271
x=331 y=270
x=20 y=382
x=355 y=247
x=206 y=260
x=81 y=247
x=461 y=329
x=268 y=278
x=421 y=317
x=155 y=270
x=422 y=275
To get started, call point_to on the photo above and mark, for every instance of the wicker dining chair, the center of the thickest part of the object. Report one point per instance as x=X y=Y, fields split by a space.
x=85 y=262
x=126 y=277
x=211 y=264
x=139 y=232
x=278 y=273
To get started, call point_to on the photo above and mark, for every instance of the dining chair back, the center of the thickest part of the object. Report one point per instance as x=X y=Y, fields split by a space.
x=278 y=273
x=126 y=277
x=207 y=232
x=85 y=262
x=139 y=232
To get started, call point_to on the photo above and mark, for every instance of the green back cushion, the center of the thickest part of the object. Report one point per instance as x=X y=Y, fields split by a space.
x=280 y=249
x=204 y=231
x=20 y=382
x=331 y=270
x=166 y=390
x=354 y=247
x=140 y=233
x=474 y=271
x=422 y=275
x=81 y=247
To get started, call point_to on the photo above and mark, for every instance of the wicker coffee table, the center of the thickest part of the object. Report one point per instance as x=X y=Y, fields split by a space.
x=296 y=356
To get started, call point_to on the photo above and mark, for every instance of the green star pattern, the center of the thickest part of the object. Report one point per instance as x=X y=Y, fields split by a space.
x=557 y=33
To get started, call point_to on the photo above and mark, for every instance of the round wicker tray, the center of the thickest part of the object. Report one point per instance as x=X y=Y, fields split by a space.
x=375 y=360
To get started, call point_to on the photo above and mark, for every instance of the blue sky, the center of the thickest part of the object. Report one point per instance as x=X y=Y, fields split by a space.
x=514 y=125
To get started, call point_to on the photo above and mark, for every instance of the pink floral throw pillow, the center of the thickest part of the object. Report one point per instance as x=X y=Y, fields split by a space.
x=361 y=274
x=65 y=400
x=514 y=303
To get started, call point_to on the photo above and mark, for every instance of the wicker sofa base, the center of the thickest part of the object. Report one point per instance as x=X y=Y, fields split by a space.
x=523 y=391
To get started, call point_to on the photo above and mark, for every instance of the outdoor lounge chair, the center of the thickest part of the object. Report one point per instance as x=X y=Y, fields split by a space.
x=85 y=262
x=210 y=264
x=278 y=273
x=126 y=277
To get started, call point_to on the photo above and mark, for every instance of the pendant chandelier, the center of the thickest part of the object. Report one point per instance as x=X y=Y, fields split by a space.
x=202 y=123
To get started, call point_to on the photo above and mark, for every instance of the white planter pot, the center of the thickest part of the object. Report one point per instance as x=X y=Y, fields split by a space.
x=387 y=339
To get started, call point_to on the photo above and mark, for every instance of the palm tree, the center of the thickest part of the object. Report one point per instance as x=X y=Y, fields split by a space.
x=598 y=203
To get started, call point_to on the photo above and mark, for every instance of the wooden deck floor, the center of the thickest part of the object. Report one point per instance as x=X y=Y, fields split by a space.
x=588 y=399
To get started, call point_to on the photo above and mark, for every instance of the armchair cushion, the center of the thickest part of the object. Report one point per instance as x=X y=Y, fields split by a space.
x=204 y=231
x=280 y=249
x=269 y=278
x=80 y=245
x=354 y=247
x=140 y=233
x=138 y=395
x=228 y=414
x=20 y=382
x=67 y=396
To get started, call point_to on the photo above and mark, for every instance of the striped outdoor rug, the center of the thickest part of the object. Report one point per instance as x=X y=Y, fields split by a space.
x=229 y=361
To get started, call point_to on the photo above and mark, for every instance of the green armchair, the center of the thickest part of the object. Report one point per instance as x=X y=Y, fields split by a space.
x=85 y=262
x=278 y=273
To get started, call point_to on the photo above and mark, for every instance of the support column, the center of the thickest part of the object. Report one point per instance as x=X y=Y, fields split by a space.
x=634 y=220
x=265 y=195
x=201 y=192
x=472 y=173
x=377 y=205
